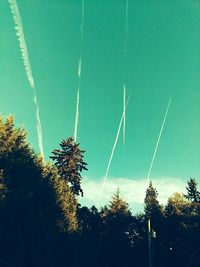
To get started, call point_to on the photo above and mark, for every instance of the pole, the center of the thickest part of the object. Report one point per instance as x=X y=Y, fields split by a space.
x=149 y=242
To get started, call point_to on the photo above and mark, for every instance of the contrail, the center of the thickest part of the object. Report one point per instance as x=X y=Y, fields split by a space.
x=39 y=126
x=125 y=53
x=126 y=29
x=113 y=150
x=22 y=43
x=25 y=57
x=79 y=74
x=124 y=120
x=77 y=100
x=79 y=67
x=158 y=141
x=77 y=115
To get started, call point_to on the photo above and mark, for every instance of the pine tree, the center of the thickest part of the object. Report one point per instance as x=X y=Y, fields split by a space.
x=35 y=203
x=192 y=192
x=118 y=205
x=69 y=162
x=152 y=206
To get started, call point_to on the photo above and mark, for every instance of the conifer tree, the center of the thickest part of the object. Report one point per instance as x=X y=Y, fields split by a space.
x=35 y=204
x=69 y=162
x=192 y=192
x=118 y=205
x=152 y=206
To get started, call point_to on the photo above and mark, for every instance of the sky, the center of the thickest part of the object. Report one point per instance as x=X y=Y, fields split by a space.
x=162 y=61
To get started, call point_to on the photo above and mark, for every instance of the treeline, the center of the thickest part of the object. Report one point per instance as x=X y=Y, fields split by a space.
x=42 y=223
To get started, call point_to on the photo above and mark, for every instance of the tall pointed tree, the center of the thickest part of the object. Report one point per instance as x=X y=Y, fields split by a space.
x=118 y=205
x=69 y=162
x=192 y=192
x=152 y=207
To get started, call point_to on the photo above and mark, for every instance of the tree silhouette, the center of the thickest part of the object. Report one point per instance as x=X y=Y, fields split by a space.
x=118 y=205
x=69 y=162
x=34 y=202
x=152 y=206
x=192 y=192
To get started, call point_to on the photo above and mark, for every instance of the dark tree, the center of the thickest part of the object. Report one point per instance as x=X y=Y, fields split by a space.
x=116 y=239
x=69 y=162
x=36 y=205
x=118 y=205
x=152 y=205
x=192 y=192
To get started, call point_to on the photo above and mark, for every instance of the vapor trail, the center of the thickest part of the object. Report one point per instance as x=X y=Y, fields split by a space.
x=124 y=120
x=126 y=29
x=158 y=141
x=39 y=126
x=25 y=57
x=113 y=150
x=79 y=67
x=77 y=115
x=125 y=53
x=79 y=74
x=22 y=43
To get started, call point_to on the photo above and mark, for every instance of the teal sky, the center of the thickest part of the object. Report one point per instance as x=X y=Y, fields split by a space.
x=163 y=61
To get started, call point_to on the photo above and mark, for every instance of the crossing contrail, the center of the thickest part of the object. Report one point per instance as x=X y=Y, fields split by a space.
x=158 y=140
x=25 y=57
x=113 y=150
x=124 y=119
x=79 y=73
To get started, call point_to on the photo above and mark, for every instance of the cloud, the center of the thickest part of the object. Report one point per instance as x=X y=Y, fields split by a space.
x=132 y=190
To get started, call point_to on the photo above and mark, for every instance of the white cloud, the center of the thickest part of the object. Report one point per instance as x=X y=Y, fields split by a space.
x=132 y=190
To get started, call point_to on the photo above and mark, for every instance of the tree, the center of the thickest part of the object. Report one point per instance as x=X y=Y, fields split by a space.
x=177 y=205
x=118 y=205
x=192 y=192
x=69 y=162
x=152 y=206
x=116 y=223
x=36 y=205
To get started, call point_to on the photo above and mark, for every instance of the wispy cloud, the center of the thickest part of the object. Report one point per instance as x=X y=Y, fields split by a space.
x=132 y=190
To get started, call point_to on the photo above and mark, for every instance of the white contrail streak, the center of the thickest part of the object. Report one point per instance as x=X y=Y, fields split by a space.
x=77 y=100
x=22 y=43
x=79 y=67
x=158 y=141
x=39 y=126
x=124 y=120
x=79 y=74
x=27 y=65
x=113 y=150
x=25 y=57
x=125 y=53
x=77 y=115
x=126 y=29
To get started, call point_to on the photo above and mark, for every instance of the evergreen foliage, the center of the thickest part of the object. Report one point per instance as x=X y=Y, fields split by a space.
x=34 y=201
x=152 y=206
x=192 y=192
x=69 y=162
x=118 y=205
x=41 y=223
